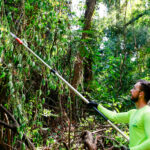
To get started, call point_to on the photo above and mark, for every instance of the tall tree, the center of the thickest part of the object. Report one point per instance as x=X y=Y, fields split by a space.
x=78 y=66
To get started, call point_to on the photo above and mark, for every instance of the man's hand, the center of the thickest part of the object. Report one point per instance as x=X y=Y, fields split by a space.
x=92 y=104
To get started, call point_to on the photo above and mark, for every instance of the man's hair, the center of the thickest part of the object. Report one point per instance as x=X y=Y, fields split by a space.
x=145 y=87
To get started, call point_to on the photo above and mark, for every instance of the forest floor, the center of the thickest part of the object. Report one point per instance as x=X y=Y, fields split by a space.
x=87 y=134
x=57 y=132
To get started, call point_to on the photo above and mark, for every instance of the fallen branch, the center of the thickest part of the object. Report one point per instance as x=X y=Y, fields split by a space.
x=98 y=131
x=14 y=127
x=8 y=132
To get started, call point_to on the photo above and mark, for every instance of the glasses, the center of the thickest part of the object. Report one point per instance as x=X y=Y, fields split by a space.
x=134 y=88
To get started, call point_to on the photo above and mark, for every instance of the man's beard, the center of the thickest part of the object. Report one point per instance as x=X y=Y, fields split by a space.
x=134 y=99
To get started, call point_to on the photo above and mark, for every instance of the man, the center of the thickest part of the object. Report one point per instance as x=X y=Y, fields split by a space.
x=138 y=119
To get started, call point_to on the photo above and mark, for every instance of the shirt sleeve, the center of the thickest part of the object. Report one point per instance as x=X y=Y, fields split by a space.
x=123 y=117
x=146 y=144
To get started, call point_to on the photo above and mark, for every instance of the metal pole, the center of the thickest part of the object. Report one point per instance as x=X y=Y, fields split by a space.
x=69 y=85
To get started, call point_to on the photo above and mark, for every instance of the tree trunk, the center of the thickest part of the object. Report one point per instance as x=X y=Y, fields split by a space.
x=88 y=75
x=88 y=60
x=23 y=15
x=78 y=67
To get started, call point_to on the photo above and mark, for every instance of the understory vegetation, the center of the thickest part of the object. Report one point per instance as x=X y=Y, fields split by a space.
x=100 y=53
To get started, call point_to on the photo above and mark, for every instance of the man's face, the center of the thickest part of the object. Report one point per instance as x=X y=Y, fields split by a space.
x=135 y=92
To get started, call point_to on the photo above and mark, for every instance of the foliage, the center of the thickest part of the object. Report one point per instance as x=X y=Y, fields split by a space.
x=118 y=46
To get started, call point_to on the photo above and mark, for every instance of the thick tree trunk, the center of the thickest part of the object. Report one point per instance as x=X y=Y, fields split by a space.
x=88 y=75
x=88 y=60
x=78 y=67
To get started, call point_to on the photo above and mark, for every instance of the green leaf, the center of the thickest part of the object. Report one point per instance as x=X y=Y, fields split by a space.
x=23 y=146
x=2 y=75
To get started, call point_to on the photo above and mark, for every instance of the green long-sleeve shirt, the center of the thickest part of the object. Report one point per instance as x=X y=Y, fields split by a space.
x=139 y=125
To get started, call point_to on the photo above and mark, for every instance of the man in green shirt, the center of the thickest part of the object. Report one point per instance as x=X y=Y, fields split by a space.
x=138 y=119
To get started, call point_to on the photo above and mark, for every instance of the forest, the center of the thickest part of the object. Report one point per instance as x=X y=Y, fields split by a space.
x=100 y=47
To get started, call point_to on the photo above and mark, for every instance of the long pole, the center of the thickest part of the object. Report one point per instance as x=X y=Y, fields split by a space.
x=69 y=85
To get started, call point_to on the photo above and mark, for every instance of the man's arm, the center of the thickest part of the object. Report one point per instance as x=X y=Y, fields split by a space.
x=116 y=117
